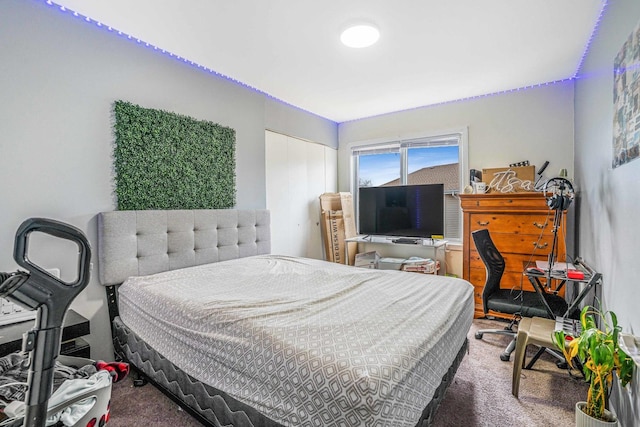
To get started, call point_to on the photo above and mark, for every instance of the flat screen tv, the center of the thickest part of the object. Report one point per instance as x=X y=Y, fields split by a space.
x=407 y=210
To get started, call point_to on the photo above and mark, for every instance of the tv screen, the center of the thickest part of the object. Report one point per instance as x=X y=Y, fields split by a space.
x=408 y=210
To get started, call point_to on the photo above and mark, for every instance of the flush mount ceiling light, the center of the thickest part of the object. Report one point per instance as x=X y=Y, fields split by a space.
x=361 y=35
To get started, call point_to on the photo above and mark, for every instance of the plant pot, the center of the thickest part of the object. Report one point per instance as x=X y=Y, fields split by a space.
x=584 y=420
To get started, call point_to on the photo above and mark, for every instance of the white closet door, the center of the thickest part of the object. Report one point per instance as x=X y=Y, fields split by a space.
x=315 y=187
x=277 y=182
x=297 y=193
x=297 y=173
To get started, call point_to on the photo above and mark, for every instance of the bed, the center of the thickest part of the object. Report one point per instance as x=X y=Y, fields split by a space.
x=244 y=338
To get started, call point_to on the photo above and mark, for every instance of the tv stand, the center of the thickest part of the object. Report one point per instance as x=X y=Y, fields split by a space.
x=402 y=247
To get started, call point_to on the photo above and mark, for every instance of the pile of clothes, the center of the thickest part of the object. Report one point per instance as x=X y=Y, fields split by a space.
x=76 y=390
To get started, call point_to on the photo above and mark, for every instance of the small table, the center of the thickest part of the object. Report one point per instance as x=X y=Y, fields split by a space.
x=591 y=278
x=75 y=326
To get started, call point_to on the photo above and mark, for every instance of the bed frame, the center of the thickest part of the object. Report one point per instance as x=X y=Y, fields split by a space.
x=133 y=243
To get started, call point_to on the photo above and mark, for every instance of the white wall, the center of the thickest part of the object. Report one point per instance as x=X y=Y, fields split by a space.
x=282 y=118
x=610 y=198
x=534 y=124
x=59 y=77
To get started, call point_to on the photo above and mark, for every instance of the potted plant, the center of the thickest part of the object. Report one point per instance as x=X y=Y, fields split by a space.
x=597 y=352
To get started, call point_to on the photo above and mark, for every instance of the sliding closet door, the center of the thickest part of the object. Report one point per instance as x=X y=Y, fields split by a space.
x=277 y=182
x=315 y=187
x=297 y=173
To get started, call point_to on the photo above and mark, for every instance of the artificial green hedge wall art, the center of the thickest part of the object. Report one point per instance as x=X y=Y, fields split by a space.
x=165 y=160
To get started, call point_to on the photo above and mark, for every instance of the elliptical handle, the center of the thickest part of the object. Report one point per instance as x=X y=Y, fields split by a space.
x=56 y=229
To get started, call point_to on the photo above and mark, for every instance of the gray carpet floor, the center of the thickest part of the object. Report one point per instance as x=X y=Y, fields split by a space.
x=480 y=394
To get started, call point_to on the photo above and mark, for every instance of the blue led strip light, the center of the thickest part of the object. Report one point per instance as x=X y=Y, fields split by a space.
x=470 y=98
x=210 y=71
x=568 y=79
x=167 y=53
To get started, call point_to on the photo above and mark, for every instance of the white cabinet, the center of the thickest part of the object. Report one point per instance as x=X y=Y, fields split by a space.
x=297 y=173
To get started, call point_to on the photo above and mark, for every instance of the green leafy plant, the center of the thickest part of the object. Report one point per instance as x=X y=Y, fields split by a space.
x=164 y=160
x=596 y=350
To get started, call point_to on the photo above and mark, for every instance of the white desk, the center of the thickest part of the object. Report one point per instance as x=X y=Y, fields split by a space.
x=384 y=245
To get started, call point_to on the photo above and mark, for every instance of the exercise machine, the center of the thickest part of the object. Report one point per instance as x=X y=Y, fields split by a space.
x=37 y=289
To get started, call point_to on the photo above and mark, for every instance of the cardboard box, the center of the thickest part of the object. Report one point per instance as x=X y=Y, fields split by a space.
x=346 y=204
x=427 y=266
x=390 y=263
x=330 y=202
x=346 y=226
x=509 y=180
x=333 y=236
x=367 y=259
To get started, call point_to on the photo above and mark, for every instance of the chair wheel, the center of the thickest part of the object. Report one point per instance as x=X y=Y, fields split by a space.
x=479 y=335
x=505 y=357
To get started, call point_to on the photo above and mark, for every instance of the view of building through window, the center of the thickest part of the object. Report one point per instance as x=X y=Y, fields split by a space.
x=426 y=164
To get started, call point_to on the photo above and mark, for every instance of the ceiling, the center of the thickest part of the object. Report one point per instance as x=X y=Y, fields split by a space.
x=429 y=52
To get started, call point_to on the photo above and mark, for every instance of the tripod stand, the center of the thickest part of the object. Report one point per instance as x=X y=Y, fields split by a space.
x=559 y=194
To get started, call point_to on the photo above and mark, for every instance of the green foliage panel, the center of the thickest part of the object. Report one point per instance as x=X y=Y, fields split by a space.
x=165 y=160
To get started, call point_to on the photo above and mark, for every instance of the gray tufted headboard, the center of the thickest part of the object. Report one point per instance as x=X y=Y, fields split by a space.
x=134 y=243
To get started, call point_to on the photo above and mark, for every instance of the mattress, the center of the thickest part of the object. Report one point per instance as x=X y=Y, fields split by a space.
x=306 y=342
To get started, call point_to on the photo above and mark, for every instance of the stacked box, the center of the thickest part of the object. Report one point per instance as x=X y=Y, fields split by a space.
x=338 y=224
x=390 y=263
x=427 y=266
x=367 y=259
x=333 y=236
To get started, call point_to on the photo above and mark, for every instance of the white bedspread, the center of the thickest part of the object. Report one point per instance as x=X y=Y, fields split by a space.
x=306 y=342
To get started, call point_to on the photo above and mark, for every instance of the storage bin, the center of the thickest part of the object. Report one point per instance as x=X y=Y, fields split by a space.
x=390 y=263
x=90 y=401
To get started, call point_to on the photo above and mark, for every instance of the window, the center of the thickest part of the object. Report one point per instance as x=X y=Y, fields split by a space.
x=423 y=160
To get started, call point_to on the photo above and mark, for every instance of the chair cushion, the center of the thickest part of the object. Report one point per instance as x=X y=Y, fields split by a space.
x=525 y=303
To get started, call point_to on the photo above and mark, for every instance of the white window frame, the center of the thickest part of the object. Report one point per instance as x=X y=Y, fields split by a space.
x=402 y=143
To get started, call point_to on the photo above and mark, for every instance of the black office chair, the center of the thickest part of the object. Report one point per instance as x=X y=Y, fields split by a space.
x=516 y=301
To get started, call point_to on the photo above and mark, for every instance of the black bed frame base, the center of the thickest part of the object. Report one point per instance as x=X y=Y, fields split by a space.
x=142 y=380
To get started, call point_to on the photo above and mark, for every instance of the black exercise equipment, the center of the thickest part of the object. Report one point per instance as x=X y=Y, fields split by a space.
x=36 y=289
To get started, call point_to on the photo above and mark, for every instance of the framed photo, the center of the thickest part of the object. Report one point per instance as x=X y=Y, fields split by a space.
x=626 y=101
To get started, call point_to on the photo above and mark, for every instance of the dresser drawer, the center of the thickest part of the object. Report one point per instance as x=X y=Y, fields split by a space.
x=510 y=223
x=513 y=262
x=523 y=244
x=504 y=202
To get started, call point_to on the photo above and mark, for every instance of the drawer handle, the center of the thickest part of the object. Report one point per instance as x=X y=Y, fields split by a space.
x=540 y=246
x=537 y=224
x=483 y=223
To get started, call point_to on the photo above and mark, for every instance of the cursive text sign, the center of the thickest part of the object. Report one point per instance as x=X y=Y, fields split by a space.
x=510 y=180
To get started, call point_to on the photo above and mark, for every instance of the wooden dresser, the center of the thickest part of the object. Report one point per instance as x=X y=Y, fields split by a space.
x=521 y=226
